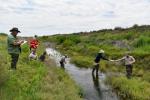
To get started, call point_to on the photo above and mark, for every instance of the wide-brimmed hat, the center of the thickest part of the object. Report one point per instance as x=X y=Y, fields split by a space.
x=15 y=29
x=101 y=51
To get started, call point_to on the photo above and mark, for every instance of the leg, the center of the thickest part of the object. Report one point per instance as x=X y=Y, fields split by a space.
x=62 y=64
x=30 y=49
x=93 y=70
x=14 y=60
x=129 y=71
x=97 y=69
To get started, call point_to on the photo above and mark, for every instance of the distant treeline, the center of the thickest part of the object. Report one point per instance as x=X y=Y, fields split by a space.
x=136 y=27
x=4 y=34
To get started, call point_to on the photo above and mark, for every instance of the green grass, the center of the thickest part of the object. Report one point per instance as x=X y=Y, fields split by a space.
x=58 y=87
x=133 y=89
x=82 y=48
x=82 y=61
x=34 y=80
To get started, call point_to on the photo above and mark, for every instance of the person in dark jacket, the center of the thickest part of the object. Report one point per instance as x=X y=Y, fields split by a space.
x=42 y=57
x=99 y=56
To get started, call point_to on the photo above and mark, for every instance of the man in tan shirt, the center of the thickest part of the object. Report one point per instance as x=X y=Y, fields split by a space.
x=129 y=60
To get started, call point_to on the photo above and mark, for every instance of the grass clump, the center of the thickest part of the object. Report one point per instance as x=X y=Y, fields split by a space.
x=82 y=61
x=142 y=41
x=131 y=89
x=60 y=86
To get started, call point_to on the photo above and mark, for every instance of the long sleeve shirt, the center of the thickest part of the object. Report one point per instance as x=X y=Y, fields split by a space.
x=12 y=48
x=99 y=57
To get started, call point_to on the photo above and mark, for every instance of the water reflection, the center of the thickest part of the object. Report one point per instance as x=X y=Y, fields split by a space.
x=97 y=85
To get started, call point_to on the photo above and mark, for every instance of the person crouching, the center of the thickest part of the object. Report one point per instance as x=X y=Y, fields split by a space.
x=33 y=55
x=43 y=57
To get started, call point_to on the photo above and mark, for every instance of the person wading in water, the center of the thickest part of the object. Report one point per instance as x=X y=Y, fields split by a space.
x=100 y=55
x=129 y=60
x=63 y=62
x=14 y=46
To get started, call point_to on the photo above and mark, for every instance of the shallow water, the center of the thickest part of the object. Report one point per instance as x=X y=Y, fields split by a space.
x=93 y=86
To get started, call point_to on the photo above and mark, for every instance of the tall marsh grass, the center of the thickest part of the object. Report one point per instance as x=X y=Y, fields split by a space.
x=33 y=80
x=130 y=89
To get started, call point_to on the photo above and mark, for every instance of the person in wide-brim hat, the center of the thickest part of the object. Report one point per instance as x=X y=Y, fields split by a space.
x=15 y=29
x=97 y=60
x=14 y=47
x=101 y=51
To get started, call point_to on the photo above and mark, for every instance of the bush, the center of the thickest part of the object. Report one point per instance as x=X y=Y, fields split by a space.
x=92 y=50
x=74 y=38
x=82 y=61
x=68 y=43
x=60 y=39
x=142 y=41
x=3 y=34
x=129 y=36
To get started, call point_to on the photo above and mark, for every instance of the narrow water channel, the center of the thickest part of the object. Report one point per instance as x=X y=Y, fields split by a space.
x=93 y=86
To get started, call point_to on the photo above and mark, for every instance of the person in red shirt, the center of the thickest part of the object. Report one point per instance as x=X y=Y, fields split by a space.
x=34 y=43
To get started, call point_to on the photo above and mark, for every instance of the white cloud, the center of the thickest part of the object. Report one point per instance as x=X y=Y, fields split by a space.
x=61 y=16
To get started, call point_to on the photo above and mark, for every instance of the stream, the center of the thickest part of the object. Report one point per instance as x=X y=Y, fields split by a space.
x=94 y=87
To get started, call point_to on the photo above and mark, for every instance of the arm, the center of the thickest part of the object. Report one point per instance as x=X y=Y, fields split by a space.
x=119 y=59
x=16 y=43
x=133 y=59
x=104 y=58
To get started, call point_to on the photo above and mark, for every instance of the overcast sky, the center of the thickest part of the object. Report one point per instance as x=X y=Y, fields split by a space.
x=45 y=17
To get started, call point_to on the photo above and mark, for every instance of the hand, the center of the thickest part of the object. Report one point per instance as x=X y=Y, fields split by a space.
x=22 y=41
x=112 y=60
x=95 y=64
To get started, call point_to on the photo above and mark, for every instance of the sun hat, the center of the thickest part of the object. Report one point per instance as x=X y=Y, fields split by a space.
x=15 y=29
x=101 y=51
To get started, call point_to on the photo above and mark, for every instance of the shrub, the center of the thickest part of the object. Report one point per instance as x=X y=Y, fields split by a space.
x=142 y=41
x=92 y=50
x=68 y=43
x=74 y=38
x=82 y=61
x=129 y=36
x=60 y=39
